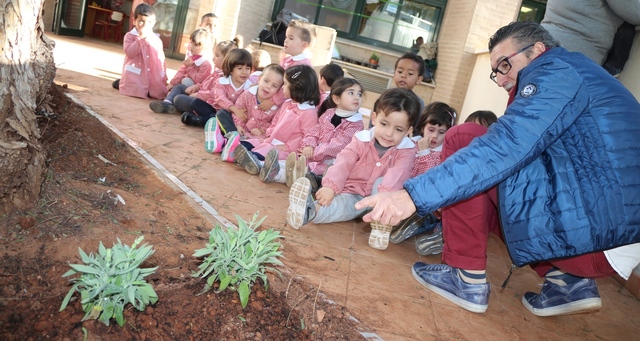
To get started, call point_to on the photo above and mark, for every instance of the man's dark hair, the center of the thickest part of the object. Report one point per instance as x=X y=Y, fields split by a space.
x=523 y=33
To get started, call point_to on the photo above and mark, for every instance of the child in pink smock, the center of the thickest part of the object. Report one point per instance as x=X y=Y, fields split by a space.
x=376 y=160
x=144 y=72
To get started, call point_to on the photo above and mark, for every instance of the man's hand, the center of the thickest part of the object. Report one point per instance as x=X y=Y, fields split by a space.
x=389 y=208
x=325 y=195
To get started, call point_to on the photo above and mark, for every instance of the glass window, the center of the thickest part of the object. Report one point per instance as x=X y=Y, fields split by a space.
x=394 y=24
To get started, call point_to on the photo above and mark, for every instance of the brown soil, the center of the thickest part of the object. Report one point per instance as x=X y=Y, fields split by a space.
x=76 y=210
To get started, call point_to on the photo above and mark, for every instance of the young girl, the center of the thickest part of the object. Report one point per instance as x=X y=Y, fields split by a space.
x=255 y=121
x=296 y=116
x=380 y=159
x=195 y=74
x=182 y=102
x=339 y=121
x=327 y=76
x=482 y=117
x=436 y=119
x=236 y=68
x=144 y=72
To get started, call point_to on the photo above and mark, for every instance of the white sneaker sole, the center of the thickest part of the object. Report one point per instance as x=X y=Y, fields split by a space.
x=587 y=304
x=472 y=307
x=298 y=195
x=379 y=237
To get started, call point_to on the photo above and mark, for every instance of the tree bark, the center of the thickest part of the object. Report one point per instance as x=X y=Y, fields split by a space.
x=27 y=71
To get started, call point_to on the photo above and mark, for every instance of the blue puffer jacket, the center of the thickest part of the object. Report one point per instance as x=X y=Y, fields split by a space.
x=566 y=157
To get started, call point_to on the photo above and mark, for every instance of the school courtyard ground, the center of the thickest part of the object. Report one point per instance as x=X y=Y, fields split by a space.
x=375 y=286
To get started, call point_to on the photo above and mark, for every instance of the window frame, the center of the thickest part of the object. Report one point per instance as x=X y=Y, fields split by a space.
x=352 y=35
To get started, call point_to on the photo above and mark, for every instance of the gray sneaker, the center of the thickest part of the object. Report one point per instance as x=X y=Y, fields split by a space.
x=430 y=244
x=247 y=160
x=162 y=107
x=302 y=208
x=271 y=167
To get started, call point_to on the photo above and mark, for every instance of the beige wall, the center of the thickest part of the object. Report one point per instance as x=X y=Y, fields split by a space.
x=483 y=93
x=237 y=17
x=630 y=76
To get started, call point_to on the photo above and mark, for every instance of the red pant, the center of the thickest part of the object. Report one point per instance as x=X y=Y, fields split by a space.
x=467 y=224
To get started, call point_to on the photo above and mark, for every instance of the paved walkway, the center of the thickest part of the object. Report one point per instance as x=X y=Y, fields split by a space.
x=376 y=286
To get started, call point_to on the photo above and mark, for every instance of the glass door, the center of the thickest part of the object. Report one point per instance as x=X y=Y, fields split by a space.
x=69 y=17
x=175 y=20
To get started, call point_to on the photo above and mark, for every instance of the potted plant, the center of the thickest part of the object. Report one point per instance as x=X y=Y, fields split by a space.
x=374 y=59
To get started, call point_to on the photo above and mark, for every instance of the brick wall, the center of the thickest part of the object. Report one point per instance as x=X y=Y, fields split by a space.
x=237 y=17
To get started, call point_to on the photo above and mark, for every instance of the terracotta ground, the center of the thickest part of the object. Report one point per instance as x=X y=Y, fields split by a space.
x=77 y=207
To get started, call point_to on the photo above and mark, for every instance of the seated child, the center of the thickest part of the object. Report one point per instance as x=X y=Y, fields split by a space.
x=376 y=160
x=328 y=74
x=144 y=72
x=261 y=59
x=209 y=22
x=436 y=119
x=182 y=102
x=236 y=68
x=300 y=35
x=482 y=117
x=295 y=117
x=195 y=74
x=255 y=121
x=339 y=121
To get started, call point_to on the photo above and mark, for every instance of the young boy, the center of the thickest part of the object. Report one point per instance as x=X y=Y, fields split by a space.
x=300 y=36
x=328 y=74
x=209 y=22
x=143 y=72
x=380 y=159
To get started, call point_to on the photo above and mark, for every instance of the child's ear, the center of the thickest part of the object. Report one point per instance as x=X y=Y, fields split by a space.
x=419 y=80
x=374 y=117
x=305 y=44
x=410 y=131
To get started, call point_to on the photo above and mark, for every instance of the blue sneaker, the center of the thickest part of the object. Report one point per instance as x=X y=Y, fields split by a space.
x=445 y=281
x=412 y=226
x=562 y=300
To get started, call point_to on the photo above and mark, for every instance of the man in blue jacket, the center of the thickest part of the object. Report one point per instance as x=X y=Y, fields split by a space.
x=558 y=175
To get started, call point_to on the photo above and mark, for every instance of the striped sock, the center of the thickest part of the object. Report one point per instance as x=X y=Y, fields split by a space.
x=561 y=278
x=473 y=276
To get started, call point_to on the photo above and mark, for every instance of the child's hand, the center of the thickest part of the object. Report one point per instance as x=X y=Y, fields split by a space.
x=188 y=62
x=423 y=143
x=240 y=131
x=240 y=113
x=257 y=132
x=192 y=89
x=265 y=105
x=169 y=87
x=308 y=152
x=325 y=195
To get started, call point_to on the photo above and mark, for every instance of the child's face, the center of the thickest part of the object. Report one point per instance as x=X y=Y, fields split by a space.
x=210 y=24
x=391 y=128
x=217 y=58
x=285 y=89
x=434 y=133
x=407 y=75
x=144 y=24
x=293 y=43
x=195 y=49
x=269 y=84
x=240 y=74
x=350 y=99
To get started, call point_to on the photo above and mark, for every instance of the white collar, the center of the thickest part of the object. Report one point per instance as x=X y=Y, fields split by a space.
x=367 y=136
x=135 y=32
x=227 y=80
x=300 y=57
x=200 y=61
x=357 y=117
x=305 y=106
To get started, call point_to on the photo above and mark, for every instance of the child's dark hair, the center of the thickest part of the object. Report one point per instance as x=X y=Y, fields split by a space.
x=437 y=113
x=483 y=117
x=337 y=89
x=144 y=10
x=234 y=58
x=226 y=45
x=303 y=84
x=415 y=58
x=331 y=73
x=275 y=68
x=208 y=15
x=398 y=99
x=307 y=31
x=201 y=37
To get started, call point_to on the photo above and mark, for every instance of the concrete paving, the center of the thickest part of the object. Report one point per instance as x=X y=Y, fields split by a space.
x=376 y=286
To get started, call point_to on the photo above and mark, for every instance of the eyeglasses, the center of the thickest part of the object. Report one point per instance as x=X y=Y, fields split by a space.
x=504 y=66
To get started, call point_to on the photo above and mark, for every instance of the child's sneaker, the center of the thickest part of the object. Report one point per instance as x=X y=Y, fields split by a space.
x=302 y=209
x=300 y=169
x=289 y=168
x=162 y=107
x=430 y=244
x=379 y=237
x=233 y=140
x=192 y=119
x=271 y=167
x=247 y=160
x=413 y=226
x=213 y=140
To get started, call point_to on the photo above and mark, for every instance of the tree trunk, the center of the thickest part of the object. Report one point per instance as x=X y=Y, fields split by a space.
x=27 y=71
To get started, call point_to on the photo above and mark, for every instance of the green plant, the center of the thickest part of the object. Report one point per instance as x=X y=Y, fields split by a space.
x=110 y=280
x=238 y=257
x=375 y=57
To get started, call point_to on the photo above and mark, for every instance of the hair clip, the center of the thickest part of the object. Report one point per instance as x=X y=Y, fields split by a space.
x=295 y=75
x=453 y=117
